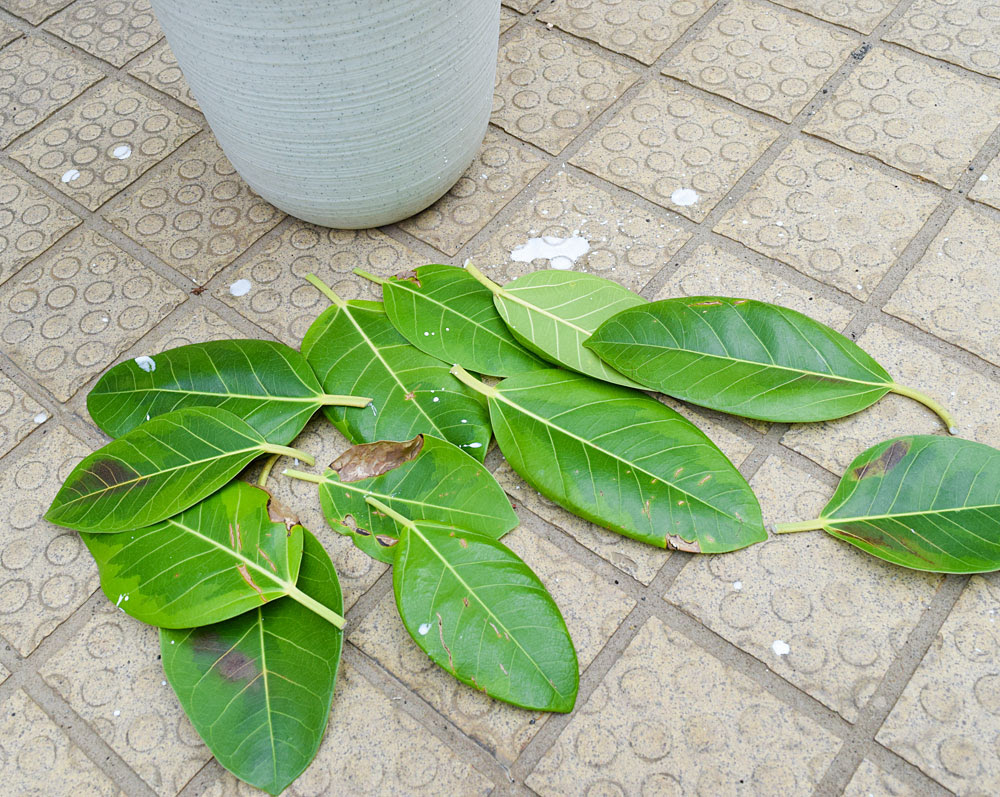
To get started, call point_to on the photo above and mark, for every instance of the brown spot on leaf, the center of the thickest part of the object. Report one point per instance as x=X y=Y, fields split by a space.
x=465 y=602
x=385 y=540
x=232 y=664
x=279 y=513
x=373 y=459
x=704 y=304
x=105 y=476
x=407 y=276
x=463 y=542
x=409 y=396
x=249 y=579
x=885 y=461
x=678 y=543
x=451 y=662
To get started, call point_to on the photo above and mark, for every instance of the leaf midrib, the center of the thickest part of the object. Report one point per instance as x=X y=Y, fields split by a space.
x=266 y=397
x=890 y=516
x=396 y=499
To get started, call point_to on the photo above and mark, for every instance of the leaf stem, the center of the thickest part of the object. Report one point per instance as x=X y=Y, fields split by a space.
x=468 y=379
x=331 y=399
x=266 y=471
x=271 y=448
x=325 y=289
x=475 y=272
x=802 y=525
x=928 y=402
x=385 y=510
x=301 y=475
x=314 y=605
x=369 y=276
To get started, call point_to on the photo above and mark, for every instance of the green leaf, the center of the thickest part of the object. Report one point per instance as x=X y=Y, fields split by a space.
x=924 y=502
x=745 y=357
x=622 y=460
x=158 y=469
x=258 y=687
x=268 y=385
x=353 y=347
x=445 y=312
x=480 y=613
x=552 y=313
x=424 y=479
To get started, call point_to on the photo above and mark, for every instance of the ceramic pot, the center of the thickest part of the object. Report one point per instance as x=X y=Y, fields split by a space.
x=345 y=113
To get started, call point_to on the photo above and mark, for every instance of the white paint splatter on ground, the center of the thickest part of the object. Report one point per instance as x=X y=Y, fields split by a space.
x=424 y=628
x=240 y=287
x=41 y=417
x=780 y=648
x=121 y=152
x=562 y=253
x=145 y=363
x=70 y=175
x=685 y=197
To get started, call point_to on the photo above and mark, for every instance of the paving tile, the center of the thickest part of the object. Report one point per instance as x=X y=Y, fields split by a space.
x=30 y=222
x=548 y=90
x=19 y=414
x=964 y=32
x=668 y=142
x=113 y=30
x=158 y=68
x=103 y=143
x=34 y=11
x=973 y=398
x=72 y=312
x=987 y=188
x=40 y=759
x=197 y=326
x=627 y=243
x=194 y=212
x=860 y=15
x=948 y=718
x=762 y=58
x=45 y=571
x=111 y=675
x=8 y=34
x=840 y=222
x=499 y=172
x=872 y=781
x=592 y=608
x=36 y=80
x=668 y=718
x=507 y=20
x=841 y=615
x=524 y=6
x=282 y=302
x=642 y=29
x=915 y=116
x=954 y=291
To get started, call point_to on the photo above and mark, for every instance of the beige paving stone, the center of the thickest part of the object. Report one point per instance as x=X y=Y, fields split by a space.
x=668 y=141
x=507 y=19
x=668 y=718
x=763 y=58
x=987 y=188
x=72 y=312
x=45 y=571
x=548 y=90
x=954 y=290
x=972 y=397
x=34 y=11
x=592 y=608
x=36 y=80
x=840 y=222
x=30 y=222
x=103 y=143
x=872 y=781
x=627 y=243
x=499 y=172
x=8 y=34
x=948 y=718
x=20 y=414
x=915 y=116
x=194 y=212
x=158 y=68
x=642 y=29
x=279 y=298
x=111 y=675
x=196 y=326
x=40 y=759
x=964 y=32
x=841 y=615
x=113 y=30
x=861 y=15
x=524 y=6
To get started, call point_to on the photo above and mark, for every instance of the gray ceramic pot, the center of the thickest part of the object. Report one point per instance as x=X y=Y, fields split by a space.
x=346 y=113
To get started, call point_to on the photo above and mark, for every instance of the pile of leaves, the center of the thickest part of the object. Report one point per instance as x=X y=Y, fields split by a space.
x=560 y=369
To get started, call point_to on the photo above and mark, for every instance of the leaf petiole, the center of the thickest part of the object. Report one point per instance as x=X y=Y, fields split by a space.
x=266 y=471
x=333 y=400
x=315 y=606
x=325 y=289
x=468 y=379
x=271 y=448
x=302 y=476
x=928 y=402
x=802 y=525
x=369 y=276
x=475 y=272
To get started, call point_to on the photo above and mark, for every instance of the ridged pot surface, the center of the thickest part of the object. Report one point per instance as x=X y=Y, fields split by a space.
x=345 y=113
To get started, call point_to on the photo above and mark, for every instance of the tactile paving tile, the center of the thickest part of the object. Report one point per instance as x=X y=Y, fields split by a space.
x=627 y=243
x=113 y=30
x=669 y=718
x=763 y=58
x=8 y=34
x=548 y=90
x=45 y=571
x=919 y=117
x=38 y=757
x=592 y=608
x=964 y=32
x=668 y=142
x=872 y=781
x=197 y=326
x=279 y=299
x=20 y=414
x=642 y=29
x=507 y=20
x=34 y=11
x=69 y=314
x=953 y=291
x=30 y=222
x=499 y=172
x=987 y=187
x=103 y=143
x=158 y=68
x=194 y=212
x=842 y=223
x=524 y=6
x=823 y=615
x=948 y=717
x=860 y=15
x=36 y=80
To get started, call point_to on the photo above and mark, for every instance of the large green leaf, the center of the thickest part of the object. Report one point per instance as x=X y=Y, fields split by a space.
x=258 y=687
x=480 y=613
x=353 y=348
x=553 y=312
x=925 y=502
x=158 y=469
x=622 y=460
x=445 y=312
x=745 y=357
x=267 y=384
x=424 y=479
